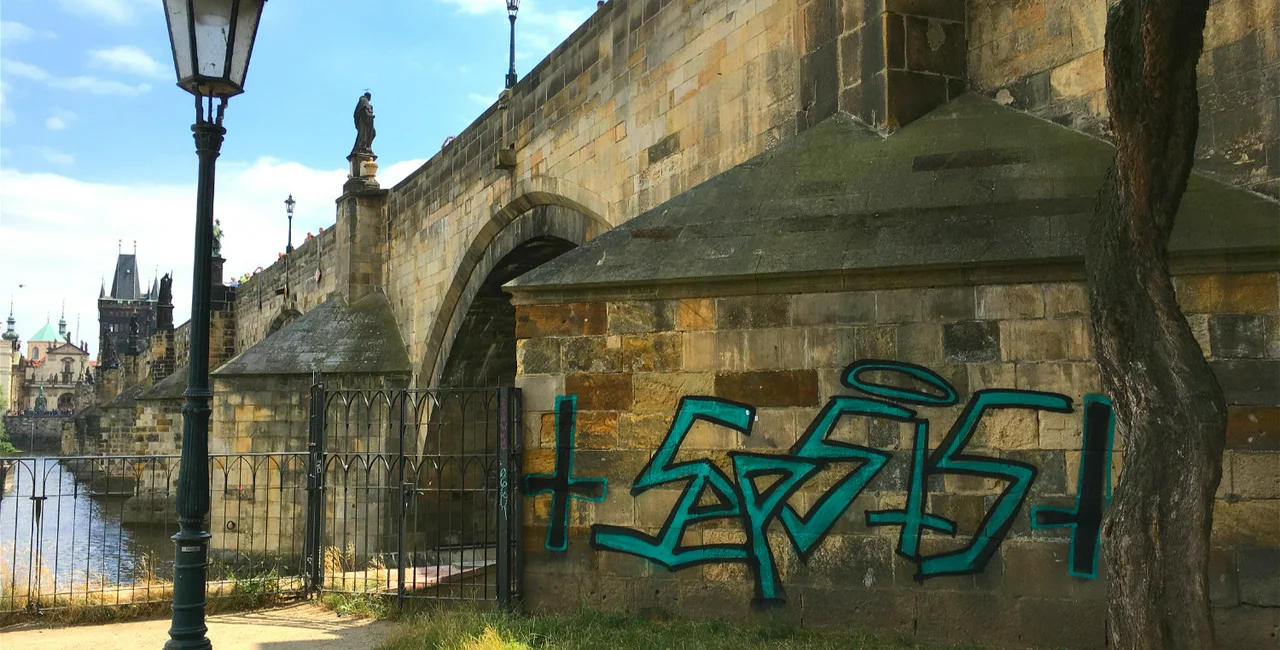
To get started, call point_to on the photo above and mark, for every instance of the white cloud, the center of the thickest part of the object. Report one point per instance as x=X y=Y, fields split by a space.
x=54 y=156
x=81 y=83
x=542 y=30
x=6 y=113
x=89 y=218
x=483 y=100
x=126 y=58
x=116 y=11
x=14 y=32
x=476 y=7
x=60 y=119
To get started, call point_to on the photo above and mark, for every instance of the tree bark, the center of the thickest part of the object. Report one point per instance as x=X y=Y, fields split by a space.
x=1169 y=409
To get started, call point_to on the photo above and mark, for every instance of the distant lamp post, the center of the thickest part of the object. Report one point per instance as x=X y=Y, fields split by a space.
x=288 y=248
x=212 y=41
x=512 y=7
x=288 y=209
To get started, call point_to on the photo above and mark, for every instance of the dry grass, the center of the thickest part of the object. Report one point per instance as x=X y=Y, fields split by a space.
x=94 y=599
x=476 y=630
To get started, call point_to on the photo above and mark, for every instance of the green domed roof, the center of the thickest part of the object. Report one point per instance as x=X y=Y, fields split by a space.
x=46 y=333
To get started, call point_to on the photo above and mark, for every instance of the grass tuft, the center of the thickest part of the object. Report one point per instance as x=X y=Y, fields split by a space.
x=443 y=629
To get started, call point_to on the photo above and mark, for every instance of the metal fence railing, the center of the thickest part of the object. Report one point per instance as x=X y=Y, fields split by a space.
x=415 y=495
x=94 y=530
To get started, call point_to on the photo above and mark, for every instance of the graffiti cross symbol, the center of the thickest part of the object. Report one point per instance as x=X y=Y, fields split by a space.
x=1093 y=495
x=561 y=483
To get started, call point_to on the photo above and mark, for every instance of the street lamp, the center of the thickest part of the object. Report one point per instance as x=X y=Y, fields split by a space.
x=211 y=41
x=288 y=250
x=512 y=7
x=288 y=208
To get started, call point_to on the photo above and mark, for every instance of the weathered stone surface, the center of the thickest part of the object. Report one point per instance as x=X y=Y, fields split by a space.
x=1255 y=475
x=1222 y=293
x=662 y=391
x=575 y=319
x=696 y=314
x=898 y=306
x=1010 y=301
x=1250 y=523
x=769 y=388
x=641 y=316
x=639 y=430
x=1224 y=585
x=716 y=350
x=834 y=308
x=1065 y=300
x=605 y=392
x=971 y=341
x=950 y=304
x=1259 y=577
x=776 y=348
x=537 y=356
x=596 y=430
x=598 y=354
x=1003 y=429
x=830 y=347
x=753 y=312
x=919 y=343
x=1253 y=427
x=1249 y=382
x=1045 y=340
x=652 y=352
x=1238 y=335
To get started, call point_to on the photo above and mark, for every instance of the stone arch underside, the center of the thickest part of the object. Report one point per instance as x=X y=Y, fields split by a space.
x=528 y=232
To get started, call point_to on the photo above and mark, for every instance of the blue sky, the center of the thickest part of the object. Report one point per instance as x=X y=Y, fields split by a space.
x=95 y=142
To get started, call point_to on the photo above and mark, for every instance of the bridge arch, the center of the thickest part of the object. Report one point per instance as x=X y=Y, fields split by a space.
x=538 y=225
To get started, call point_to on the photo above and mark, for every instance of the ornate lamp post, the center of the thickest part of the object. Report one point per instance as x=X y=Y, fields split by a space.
x=288 y=209
x=212 y=41
x=512 y=7
x=288 y=249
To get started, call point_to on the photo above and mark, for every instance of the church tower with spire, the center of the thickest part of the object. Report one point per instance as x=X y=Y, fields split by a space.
x=125 y=304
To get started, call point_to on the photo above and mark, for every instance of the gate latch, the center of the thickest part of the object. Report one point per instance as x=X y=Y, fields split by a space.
x=407 y=491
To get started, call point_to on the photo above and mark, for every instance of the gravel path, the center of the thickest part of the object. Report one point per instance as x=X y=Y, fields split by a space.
x=297 y=627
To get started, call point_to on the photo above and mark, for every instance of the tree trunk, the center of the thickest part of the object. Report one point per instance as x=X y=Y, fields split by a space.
x=1169 y=409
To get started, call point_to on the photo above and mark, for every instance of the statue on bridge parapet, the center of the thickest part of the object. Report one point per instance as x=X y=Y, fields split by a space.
x=362 y=157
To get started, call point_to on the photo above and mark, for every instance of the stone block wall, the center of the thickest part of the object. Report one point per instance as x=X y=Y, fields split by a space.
x=643 y=101
x=35 y=433
x=257 y=303
x=1045 y=56
x=756 y=383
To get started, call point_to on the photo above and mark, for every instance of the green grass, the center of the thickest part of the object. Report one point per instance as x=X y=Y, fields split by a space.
x=473 y=630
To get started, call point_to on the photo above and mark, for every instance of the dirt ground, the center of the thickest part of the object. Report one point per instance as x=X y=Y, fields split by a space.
x=297 y=627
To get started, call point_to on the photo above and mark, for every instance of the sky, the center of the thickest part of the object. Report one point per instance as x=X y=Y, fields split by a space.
x=95 y=142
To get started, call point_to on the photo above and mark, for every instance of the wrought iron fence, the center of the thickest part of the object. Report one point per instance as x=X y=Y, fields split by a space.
x=94 y=530
x=409 y=493
x=415 y=492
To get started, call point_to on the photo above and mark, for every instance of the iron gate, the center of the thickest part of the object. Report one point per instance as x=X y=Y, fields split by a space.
x=412 y=492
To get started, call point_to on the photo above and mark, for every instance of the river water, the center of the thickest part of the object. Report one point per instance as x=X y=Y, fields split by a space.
x=70 y=538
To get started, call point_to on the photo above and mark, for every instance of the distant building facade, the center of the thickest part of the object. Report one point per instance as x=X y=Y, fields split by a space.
x=125 y=305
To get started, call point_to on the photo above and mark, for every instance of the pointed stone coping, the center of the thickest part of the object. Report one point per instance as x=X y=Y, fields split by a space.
x=333 y=338
x=171 y=387
x=972 y=184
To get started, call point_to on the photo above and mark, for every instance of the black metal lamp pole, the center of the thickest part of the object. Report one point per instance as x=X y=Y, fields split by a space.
x=191 y=559
x=288 y=208
x=211 y=41
x=512 y=7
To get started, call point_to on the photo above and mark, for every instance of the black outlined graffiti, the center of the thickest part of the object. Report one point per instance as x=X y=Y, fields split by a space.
x=709 y=493
x=1093 y=494
x=561 y=483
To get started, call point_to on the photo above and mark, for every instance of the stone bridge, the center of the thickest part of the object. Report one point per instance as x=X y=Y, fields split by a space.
x=649 y=98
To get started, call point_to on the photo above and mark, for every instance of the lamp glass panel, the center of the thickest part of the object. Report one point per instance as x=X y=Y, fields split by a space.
x=212 y=27
x=179 y=36
x=246 y=30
